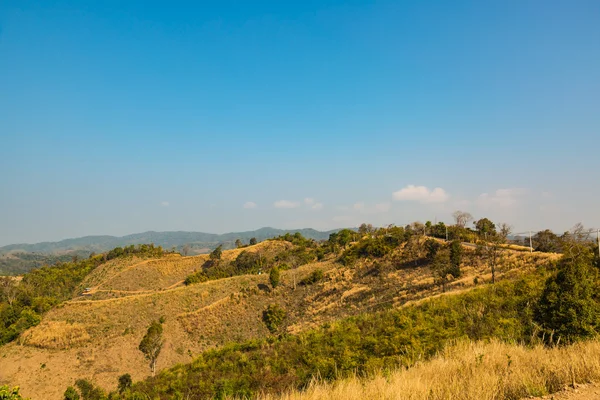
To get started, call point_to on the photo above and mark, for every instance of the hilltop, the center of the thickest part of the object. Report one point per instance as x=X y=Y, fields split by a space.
x=95 y=333
x=19 y=258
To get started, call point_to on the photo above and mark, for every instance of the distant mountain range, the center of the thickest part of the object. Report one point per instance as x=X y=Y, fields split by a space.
x=19 y=258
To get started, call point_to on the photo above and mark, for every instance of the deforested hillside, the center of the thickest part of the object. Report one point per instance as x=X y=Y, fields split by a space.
x=234 y=296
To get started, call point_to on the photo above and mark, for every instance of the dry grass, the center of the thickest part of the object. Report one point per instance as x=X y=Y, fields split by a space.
x=56 y=335
x=471 y=371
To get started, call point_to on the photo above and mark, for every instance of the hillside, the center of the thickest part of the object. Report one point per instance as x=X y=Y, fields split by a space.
x=19 y=258
x=95 y=335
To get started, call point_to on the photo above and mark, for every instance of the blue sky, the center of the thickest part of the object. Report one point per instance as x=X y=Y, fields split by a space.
x=119 y=117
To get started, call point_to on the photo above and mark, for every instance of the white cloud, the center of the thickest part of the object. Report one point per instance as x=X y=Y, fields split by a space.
x=286 y=204
x=164 y=203
x=421 y=194
x=317 y=206
x=309 y=201
x=501 y=198
x=250 y=204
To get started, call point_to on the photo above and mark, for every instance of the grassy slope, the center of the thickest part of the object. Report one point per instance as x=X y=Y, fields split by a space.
x=471 y=371
x=98 y=338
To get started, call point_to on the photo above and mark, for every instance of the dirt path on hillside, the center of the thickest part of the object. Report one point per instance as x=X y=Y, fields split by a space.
x=580 y=392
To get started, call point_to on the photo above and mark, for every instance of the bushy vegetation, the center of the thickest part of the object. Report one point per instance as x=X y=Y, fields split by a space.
x=21 y=262
x=273 y=317
x=144 y=250
x=248 y=262
x=313 y=277
x=376 y=245
x=7 y=393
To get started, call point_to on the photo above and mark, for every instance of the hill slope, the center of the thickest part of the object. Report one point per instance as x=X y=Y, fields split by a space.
x=96 y=336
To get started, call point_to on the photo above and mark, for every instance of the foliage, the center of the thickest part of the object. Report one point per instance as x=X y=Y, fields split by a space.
x=6 y=393
x=485 y=227
x=215 y=255
x=89 y=391
x=273 y=317
x=274 y=277
x=314 y=277
x=444 y=270
x=456 y=253
x=125 y=383
x=253 y=241
x=378 y=245
x=569 y=307
x=145 y=250
x=152 y=343
x=71 y=394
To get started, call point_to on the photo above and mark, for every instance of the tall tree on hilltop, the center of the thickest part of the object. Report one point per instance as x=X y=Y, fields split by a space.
x=485 y=227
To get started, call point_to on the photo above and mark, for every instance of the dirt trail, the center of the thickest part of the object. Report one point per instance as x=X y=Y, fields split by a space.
x=580 y=392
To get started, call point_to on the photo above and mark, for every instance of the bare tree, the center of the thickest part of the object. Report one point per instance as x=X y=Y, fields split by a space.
x=462 y=218
x=186 y=249
x=573 y=239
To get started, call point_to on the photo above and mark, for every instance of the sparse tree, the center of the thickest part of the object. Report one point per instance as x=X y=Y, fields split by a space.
x=274 y=277
x=186 y=249
x=152 y=343
x=462 y=218
x=253 y=241
x=238 y=243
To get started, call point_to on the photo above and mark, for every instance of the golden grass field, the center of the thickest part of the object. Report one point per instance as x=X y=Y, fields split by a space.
x=471 y=371
x=96 y=337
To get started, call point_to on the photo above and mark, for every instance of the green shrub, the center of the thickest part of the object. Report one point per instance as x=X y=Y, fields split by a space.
x=71 y=394
x=6 y=393
x=314 y=277
x=274 y=277
x=273 y=317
